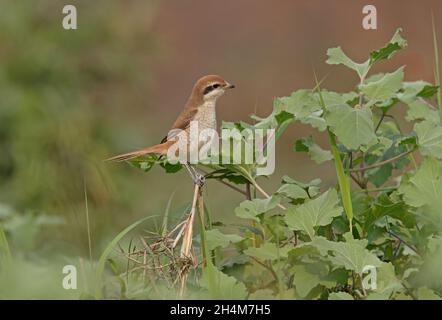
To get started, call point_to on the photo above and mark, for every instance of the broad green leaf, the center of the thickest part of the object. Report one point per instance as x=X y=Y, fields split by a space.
x=314 y=213
x=315 y=152
x=268 y=251
x=425 y=293
x=223 y=287
x=383 y=88
x=340 y=296
x=315 y=120
x=334 y=98
x=217 y=239
x=424 y=189
x=250 y=209
x=429 y=137
x=395 y=44
x=337 y=56
x=262 y=294
x=311 y=188
x=304 y=280
x=378 y=146
x=300 y=103
x=353 y=126
x=412 y=90
x=384 y=206
x=420 y=110
x=386 y=281
x=351 y=254
x=292 y=191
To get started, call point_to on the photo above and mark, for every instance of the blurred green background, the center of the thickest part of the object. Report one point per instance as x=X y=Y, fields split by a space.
x=71 y=98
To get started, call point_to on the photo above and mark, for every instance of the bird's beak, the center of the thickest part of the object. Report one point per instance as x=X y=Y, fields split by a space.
x=229 y=86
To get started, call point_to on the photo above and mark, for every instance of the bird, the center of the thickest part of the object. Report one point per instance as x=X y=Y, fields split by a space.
x=200 y=107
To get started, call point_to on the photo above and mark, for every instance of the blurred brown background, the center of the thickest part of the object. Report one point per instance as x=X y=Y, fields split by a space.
x=73 y=98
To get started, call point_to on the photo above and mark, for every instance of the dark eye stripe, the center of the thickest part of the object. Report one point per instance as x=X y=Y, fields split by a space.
x=211 y=88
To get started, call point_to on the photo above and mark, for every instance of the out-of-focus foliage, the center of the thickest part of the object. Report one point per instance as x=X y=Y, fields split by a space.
x=63 y=93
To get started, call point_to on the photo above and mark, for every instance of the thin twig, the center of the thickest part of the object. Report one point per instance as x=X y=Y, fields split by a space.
x=380 y=122
x=248 y=191
x=379 y=164
x=265 y=194
x=267 y=267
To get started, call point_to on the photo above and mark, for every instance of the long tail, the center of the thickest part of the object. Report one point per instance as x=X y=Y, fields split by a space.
x=158 y=148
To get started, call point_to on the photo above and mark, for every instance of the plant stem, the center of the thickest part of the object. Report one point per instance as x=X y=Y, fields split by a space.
x=275 y=276
x=202 y=228
x=343 y=180
x=379 y=164
x=265 y=194
x=4 y=245
x=436 y=68
x=378 y=189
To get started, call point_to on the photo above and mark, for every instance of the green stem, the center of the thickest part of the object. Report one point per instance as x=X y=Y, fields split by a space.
x=343 y=181
x=4 y=245
x=204 y=250
x=377 y=189
x=436 y=68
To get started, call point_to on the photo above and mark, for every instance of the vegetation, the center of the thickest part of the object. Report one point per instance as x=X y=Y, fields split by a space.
x=380 y=224
x=304 y=242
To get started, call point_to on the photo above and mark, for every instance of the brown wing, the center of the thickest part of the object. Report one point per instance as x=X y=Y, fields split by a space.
x=182 y=122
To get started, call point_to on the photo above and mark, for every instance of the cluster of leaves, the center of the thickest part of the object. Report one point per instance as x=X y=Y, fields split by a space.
x=306 y=243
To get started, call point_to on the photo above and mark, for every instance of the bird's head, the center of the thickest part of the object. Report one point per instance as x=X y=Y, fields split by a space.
x=211 y=87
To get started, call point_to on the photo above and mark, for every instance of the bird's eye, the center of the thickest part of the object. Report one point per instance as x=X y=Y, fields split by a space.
x=208 y=89
x=216 y=85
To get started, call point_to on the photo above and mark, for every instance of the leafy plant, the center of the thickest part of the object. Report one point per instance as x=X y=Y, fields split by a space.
x=383 y=214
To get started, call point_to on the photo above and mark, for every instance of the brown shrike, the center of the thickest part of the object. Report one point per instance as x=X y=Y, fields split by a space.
x=200 y=107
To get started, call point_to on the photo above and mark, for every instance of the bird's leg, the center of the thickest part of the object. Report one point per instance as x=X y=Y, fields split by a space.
x=197 y=177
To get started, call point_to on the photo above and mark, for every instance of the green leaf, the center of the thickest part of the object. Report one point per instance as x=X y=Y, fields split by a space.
x=268 y=251
x=380 y=175
x=337 y=56
x=352 y=254
x=311 y=188
x=420 y=110
x=315 y=152
x=314 y=213
x=424 y=293
x=424 y=189
x=144 y=163
x=396 y=43
x=222 y=286
x=412 y=90
x=383 y=88
x=353 y=126
x=304 y=280
x=340 y=296
x=107 y=251
x=292 y=191
x=429 y=137
x=300 y=103
x=386 y=281
x=217 y=239
x=262 y=294
x=250 y=209
x=385 y=206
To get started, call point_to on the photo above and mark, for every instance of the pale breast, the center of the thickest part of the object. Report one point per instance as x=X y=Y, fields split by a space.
x=206 y=116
